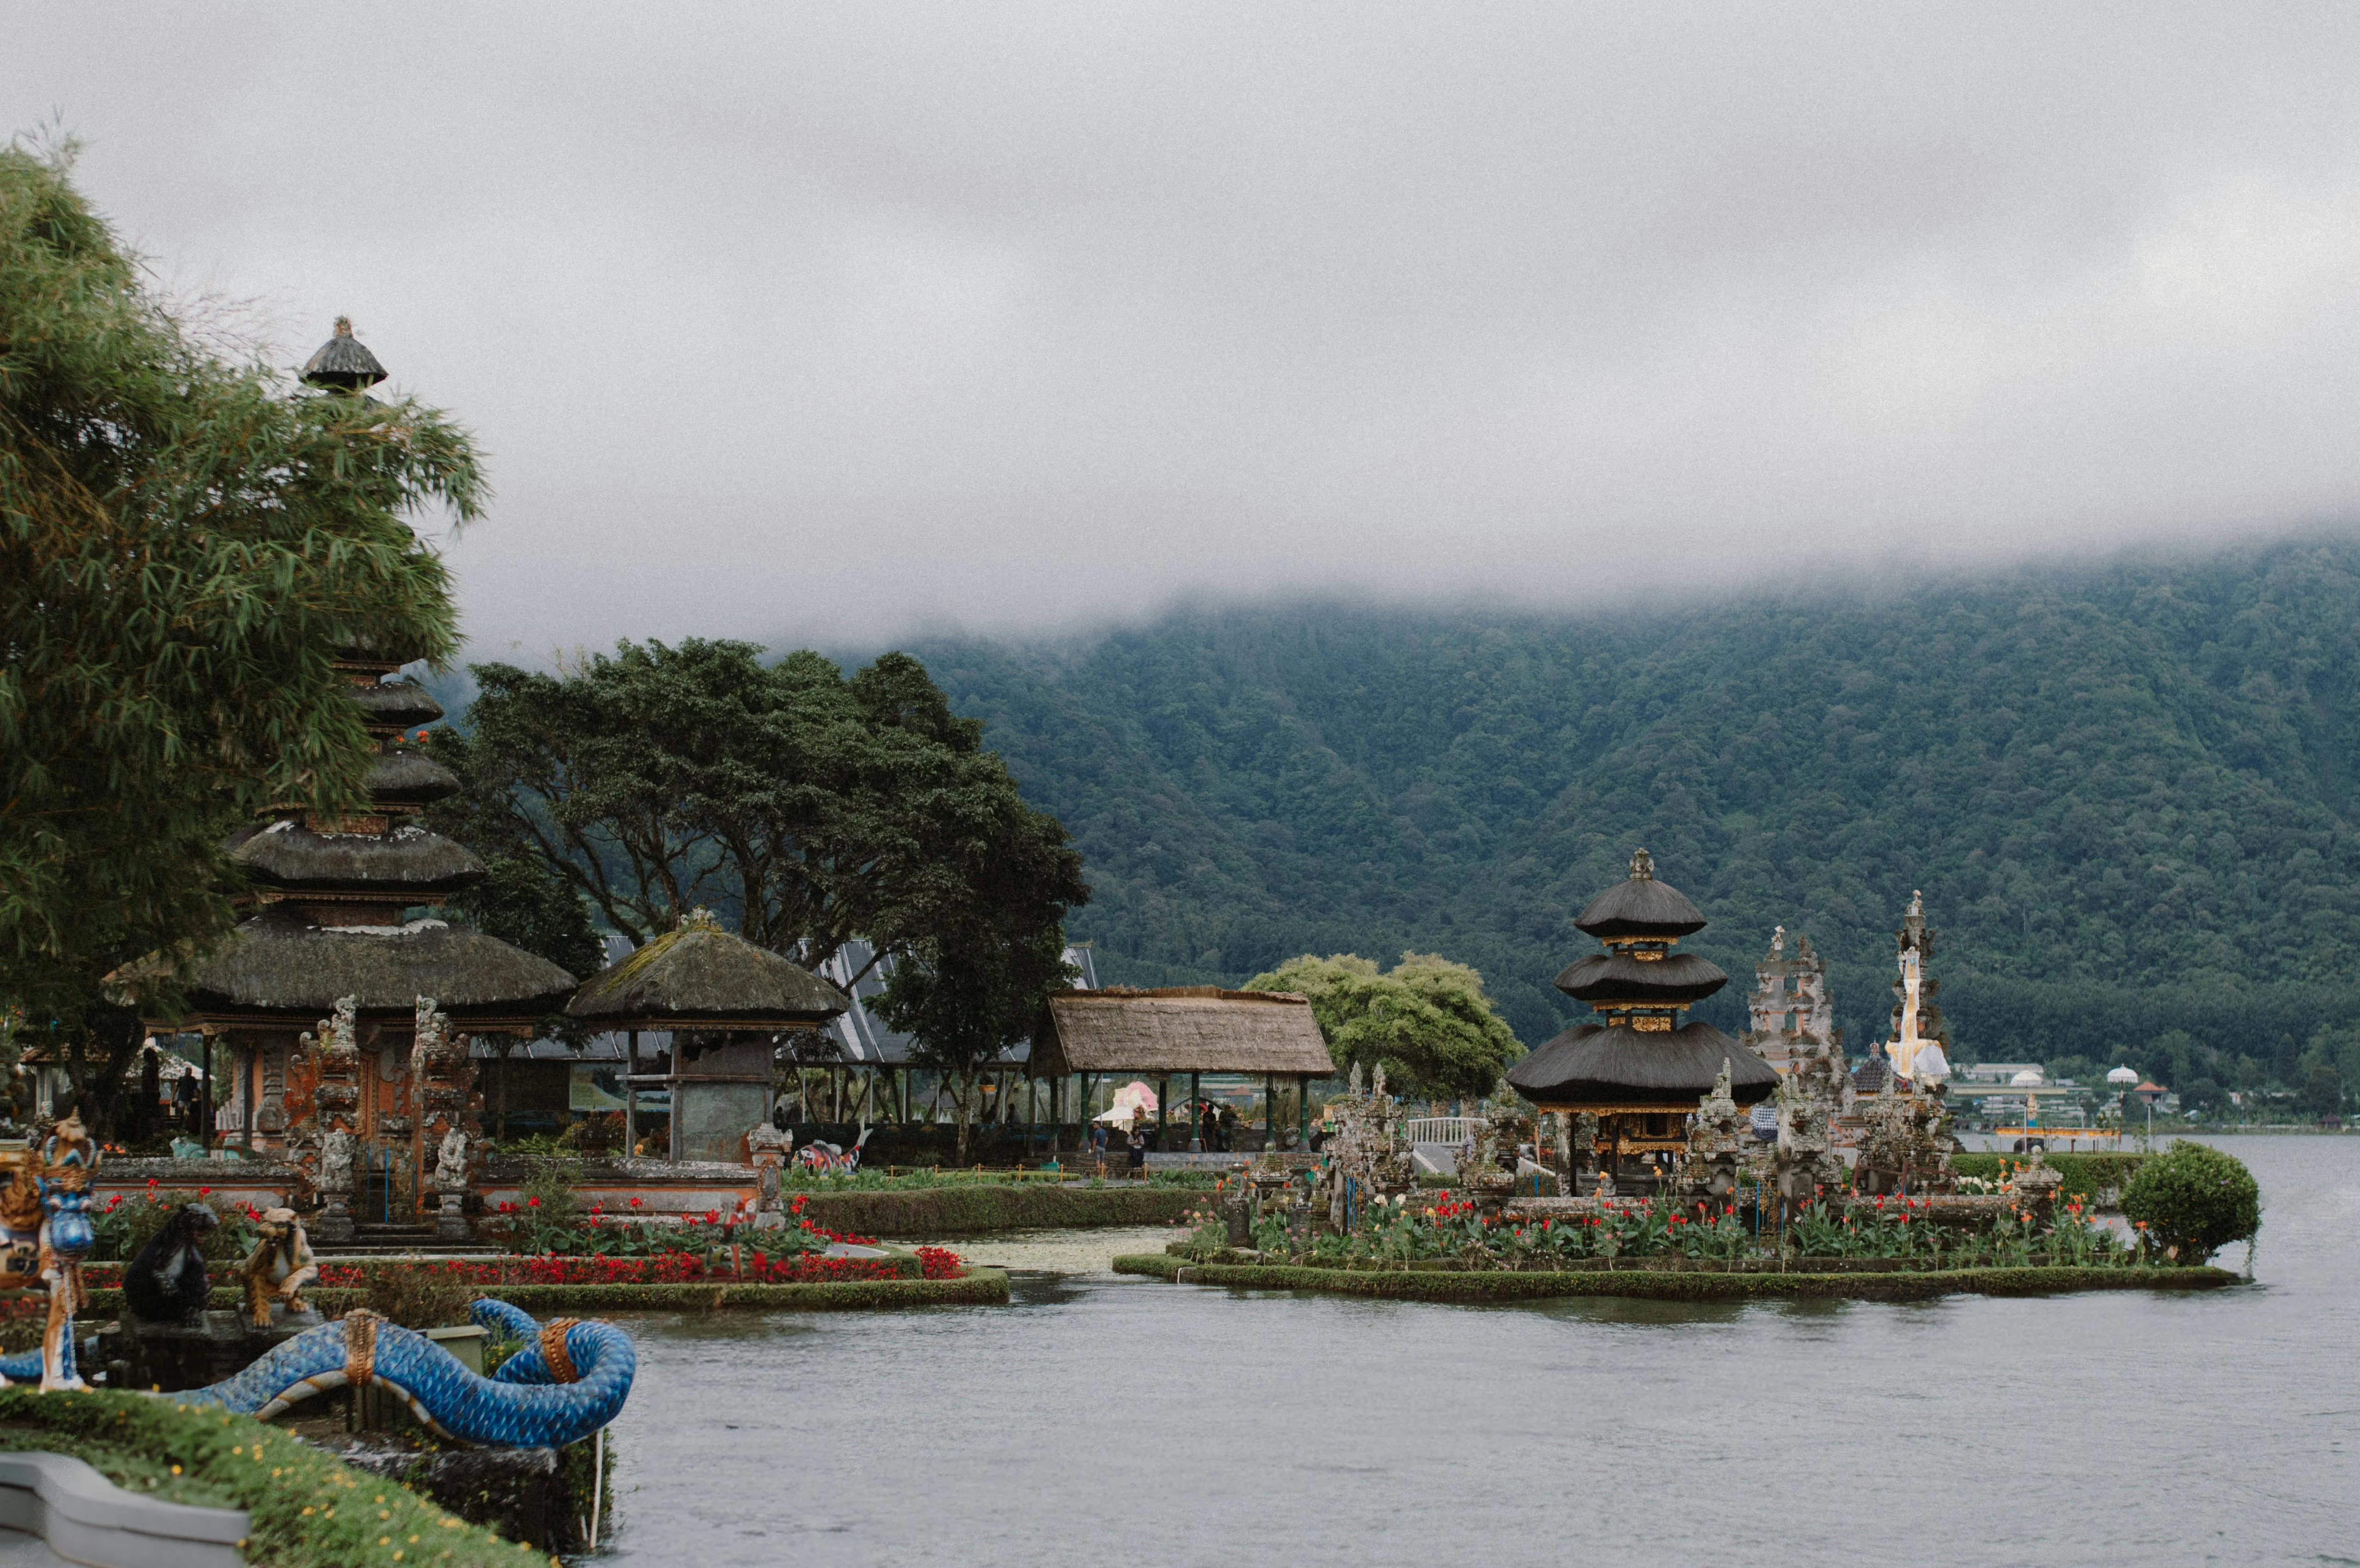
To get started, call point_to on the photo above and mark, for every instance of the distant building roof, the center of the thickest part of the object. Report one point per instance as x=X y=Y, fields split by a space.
x=1187 y=1029
x=862 y=1036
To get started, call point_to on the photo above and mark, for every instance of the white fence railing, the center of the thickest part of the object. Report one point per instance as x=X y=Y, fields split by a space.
x=1452 y=1130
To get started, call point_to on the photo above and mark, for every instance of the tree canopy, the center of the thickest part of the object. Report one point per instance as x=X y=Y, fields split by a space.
x=184 y=544
x=1428 y=1021
x=805 y=806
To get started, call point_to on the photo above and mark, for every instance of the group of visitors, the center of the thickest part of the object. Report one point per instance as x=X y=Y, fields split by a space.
x=1216 y=1124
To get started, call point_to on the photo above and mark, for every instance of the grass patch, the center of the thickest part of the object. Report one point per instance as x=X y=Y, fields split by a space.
x=305 y=1508
x=1665 y=1285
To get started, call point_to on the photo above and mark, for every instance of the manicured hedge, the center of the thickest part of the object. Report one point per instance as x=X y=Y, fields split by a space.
x=976 y=1287
x=305 y=1508
x=967 y=1210
x=1672 y=1287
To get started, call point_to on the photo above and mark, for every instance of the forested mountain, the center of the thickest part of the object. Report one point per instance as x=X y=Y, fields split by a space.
x=2127 y=792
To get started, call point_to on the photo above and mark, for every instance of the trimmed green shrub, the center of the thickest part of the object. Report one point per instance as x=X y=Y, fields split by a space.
x=967 y=1210
x=1671 y=1286
x=976 y=1287
x=2193 y=1201
x=306 y=1508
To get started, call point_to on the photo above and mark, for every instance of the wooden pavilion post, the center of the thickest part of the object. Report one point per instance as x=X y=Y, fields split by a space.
x=1303 y=1112
x=205 y=1099
x=1163 y=1106
x=630 y=1095
x=1195 y=1120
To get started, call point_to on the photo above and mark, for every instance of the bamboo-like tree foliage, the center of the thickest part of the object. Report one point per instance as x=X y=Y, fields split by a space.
x=184 y=542
x=1430 y=1021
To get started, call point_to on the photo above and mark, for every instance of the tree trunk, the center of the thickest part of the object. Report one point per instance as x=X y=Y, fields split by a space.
x=963 y=1094
x=96 y=1059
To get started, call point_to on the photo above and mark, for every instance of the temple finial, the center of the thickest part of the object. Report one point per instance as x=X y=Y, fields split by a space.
x=1642 y=866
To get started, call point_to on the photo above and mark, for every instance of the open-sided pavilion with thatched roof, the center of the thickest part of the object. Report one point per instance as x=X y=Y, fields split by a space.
x=724 y=1001
x=1191 y=1029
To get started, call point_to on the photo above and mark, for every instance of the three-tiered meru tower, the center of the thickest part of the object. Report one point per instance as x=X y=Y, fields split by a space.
x=346 y=1006
x=1639 y=1069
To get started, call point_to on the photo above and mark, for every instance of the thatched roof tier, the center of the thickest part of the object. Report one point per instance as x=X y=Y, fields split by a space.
x=703 y=976
x=1639 y=906
x=1188 y=1029
x=396 y=704
x=279 y=962
x=409 y=778
x=1601 y=1064
x=1675 y=979
x=343 y=361
x=288 y=854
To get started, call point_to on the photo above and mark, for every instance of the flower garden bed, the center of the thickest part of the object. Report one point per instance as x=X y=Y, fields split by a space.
x=1682 y=1284
x=305 y=1508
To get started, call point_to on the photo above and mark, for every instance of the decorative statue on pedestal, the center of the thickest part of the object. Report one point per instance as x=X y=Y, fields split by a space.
x=451 y=1183
x=167 y=1282
x=767 y=1149
x=45 y=1229
x=278 y=1268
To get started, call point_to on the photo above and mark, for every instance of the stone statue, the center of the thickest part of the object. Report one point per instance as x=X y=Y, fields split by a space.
x=767 y=1149
x=278 y=1268
x=451 y=1162
x=166 y=1282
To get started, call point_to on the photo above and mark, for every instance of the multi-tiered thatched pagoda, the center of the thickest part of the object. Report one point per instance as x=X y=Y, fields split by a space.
x=332 y=939
x=1639 y=1069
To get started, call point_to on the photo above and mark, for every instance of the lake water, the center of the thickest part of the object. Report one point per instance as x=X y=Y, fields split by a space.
x=1131 y=1422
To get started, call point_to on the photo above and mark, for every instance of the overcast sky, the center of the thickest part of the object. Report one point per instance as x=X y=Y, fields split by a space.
x=830 y=324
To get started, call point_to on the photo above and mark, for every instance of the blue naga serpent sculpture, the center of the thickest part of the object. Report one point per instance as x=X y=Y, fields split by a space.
x=569 y=1380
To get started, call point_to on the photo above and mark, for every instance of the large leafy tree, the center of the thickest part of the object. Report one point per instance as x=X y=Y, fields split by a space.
x=184 y=542
x=1430 y=1021
x=808 y=806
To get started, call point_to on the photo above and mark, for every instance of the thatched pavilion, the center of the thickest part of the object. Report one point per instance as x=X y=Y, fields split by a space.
x=1191 y=1029
x=723 y=1002
x=1638 y=1069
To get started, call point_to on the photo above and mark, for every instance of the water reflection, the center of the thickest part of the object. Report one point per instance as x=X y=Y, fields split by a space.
x=1130 y=1422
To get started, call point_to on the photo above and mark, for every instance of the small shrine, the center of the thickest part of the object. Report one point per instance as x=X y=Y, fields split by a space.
x=1638 y=1069
x=1904 y=1125
x=718 y=1006
x=1919 y=1047
x=344 y=1011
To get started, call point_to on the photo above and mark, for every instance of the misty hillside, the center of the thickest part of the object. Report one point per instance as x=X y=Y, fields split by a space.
x=2127 y=792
